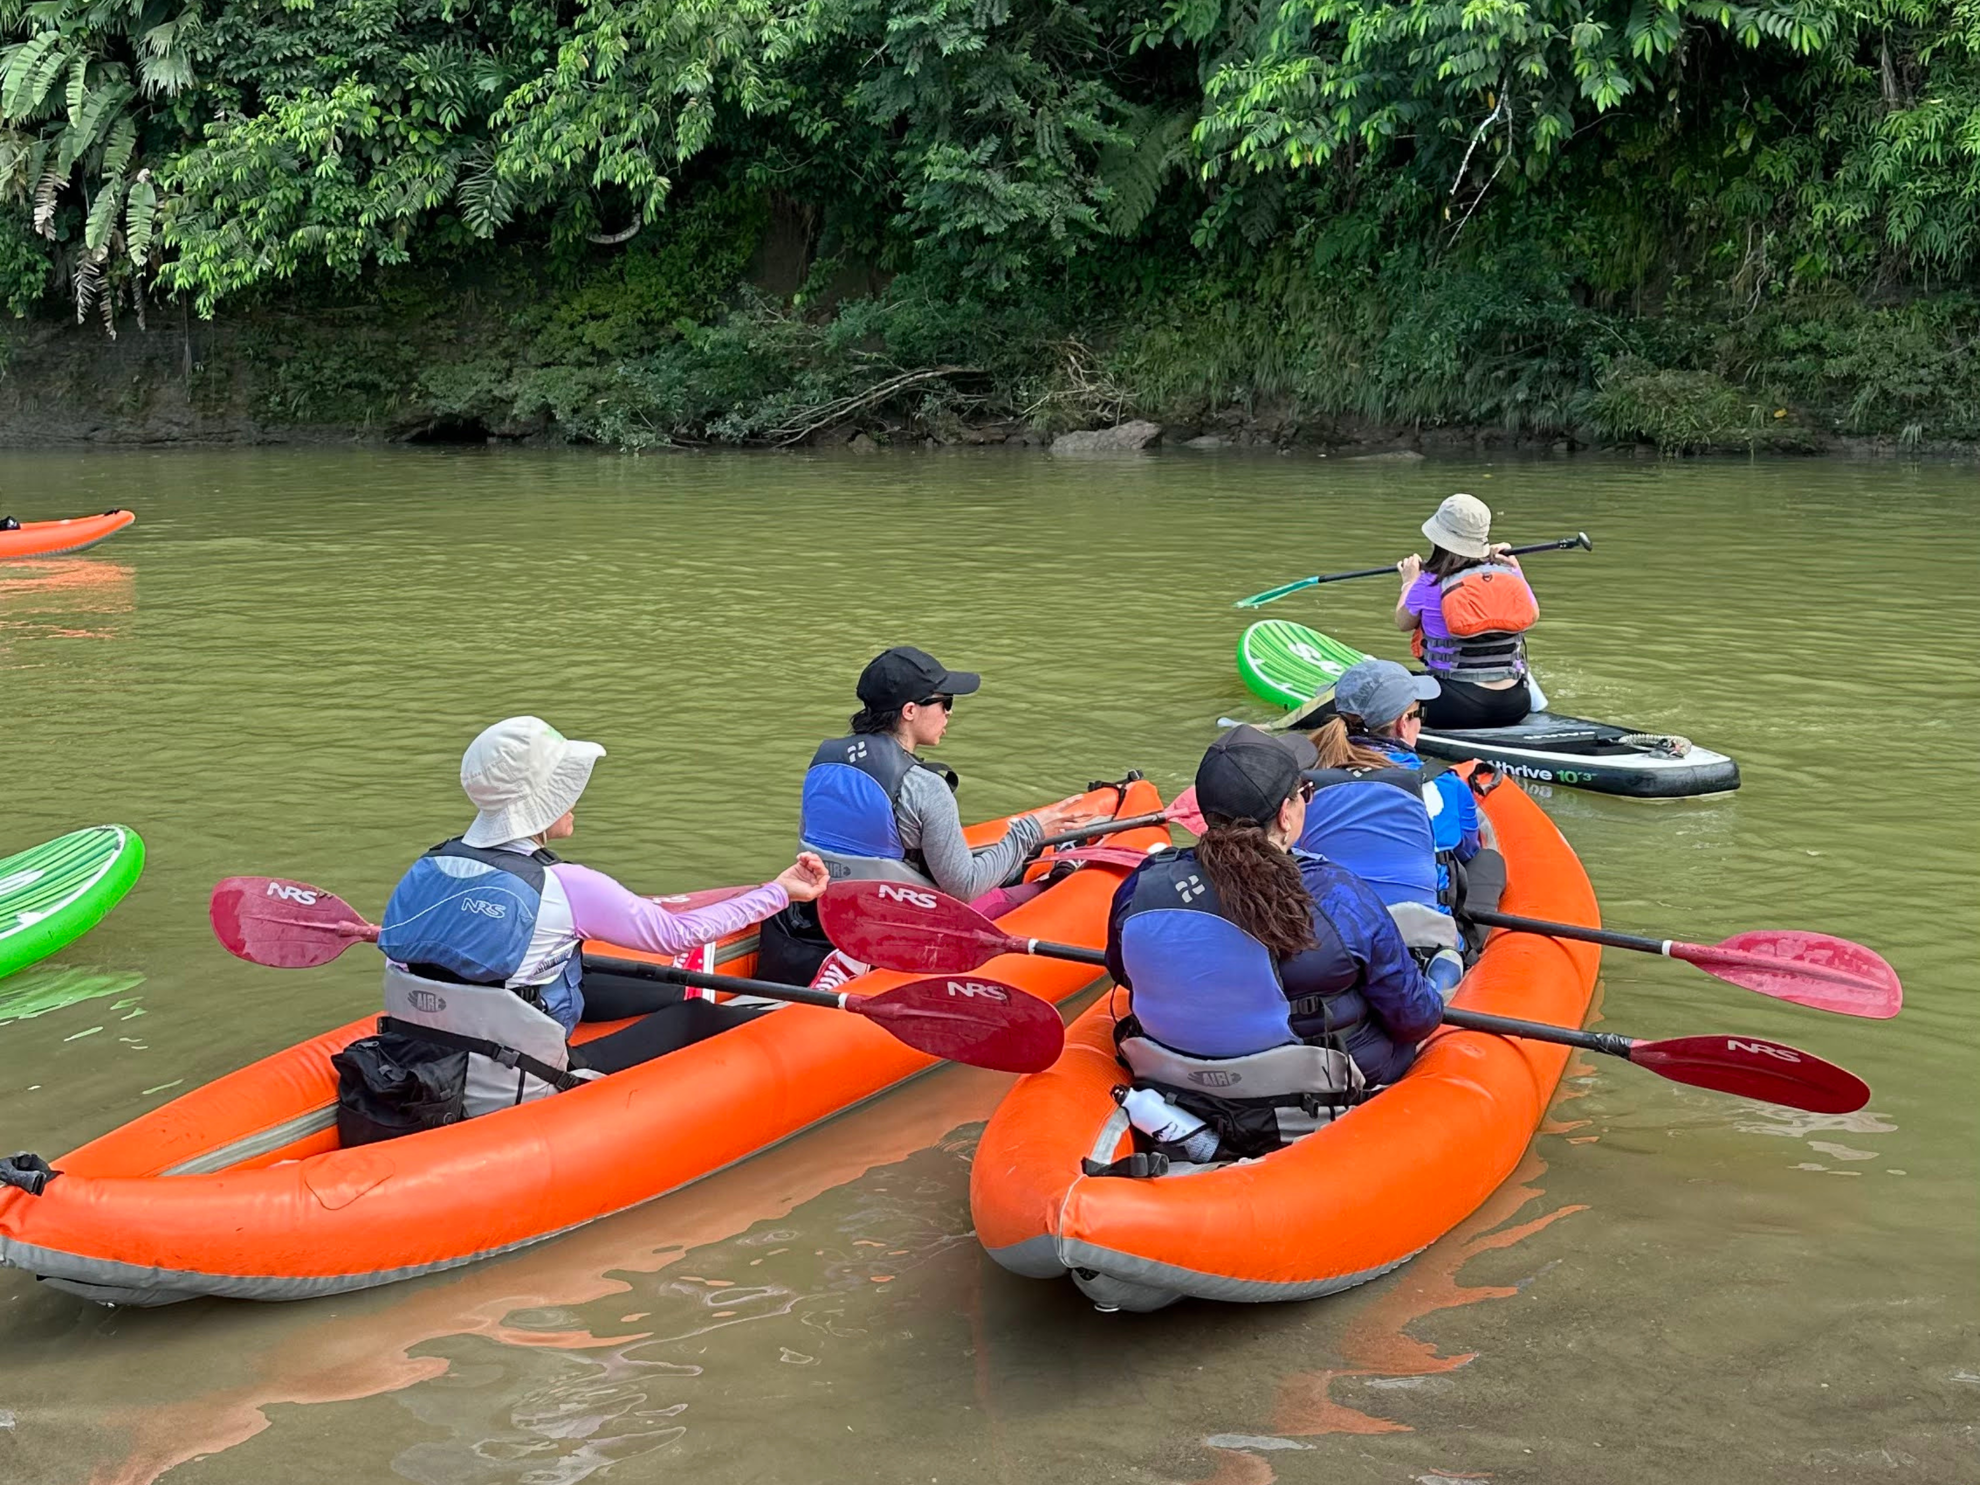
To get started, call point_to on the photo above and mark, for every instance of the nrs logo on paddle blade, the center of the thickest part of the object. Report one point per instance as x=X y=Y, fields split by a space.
x=908 y=895
x=975 y=990
x=1782 y=1053
x=287 y=892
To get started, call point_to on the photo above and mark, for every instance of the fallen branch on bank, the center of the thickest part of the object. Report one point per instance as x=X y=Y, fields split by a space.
x=817 y=418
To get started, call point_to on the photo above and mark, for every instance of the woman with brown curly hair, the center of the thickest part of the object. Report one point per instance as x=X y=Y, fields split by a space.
x=1241 y=943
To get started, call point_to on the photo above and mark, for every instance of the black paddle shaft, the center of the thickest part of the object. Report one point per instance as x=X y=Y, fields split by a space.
x=1568 y=930
x=1106 y=827
x=1565 y=544
x=1539 y=1031
x=667 y=974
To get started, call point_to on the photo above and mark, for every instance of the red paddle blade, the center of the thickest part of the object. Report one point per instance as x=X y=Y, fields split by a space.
x=919 y=930
x=1185 y=811
x=967 y=1018
x=1758 y=1069
x=1105 y=855
x=284 y=924
x=1811 y=969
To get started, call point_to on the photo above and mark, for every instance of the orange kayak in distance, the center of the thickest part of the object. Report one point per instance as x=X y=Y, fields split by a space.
x=239 y=1188
x=1351 y=1201
x=53 y=538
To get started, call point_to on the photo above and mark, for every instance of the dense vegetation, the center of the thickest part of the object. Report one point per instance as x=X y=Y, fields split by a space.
x=1692 y=222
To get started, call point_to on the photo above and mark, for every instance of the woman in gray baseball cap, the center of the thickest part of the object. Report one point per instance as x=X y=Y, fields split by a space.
x=1376 y=812
x=1467 y=608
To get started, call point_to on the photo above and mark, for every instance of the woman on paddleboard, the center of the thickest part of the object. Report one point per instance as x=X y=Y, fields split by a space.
x=1243 y=943
x=874 y=809
x=1467 y=608
x=1410 y=837
x=483 y=934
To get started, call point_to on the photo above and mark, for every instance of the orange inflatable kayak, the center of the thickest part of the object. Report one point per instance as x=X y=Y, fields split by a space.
x=239 y=1188
x=1351 y=1201
x=52 y=538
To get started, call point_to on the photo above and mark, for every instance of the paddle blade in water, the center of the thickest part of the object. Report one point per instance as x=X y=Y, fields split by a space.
x=918 y=930
x=967 y=1018
x=1752 y=1068
x=284 y=924
x=1811 y=969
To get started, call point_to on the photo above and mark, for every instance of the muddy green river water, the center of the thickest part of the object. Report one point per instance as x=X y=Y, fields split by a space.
x=275 y=672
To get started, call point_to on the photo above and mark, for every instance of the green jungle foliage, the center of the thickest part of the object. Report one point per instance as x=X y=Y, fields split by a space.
x=1689 y=222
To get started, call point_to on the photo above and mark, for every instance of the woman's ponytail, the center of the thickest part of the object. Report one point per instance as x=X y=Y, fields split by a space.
x=1338 y=749
x=1259 y=886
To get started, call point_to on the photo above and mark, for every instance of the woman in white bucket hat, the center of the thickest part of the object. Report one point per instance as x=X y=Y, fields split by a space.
x=482 y=936
x=1467 y=609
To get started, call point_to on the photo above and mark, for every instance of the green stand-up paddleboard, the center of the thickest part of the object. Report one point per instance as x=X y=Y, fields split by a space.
x=1289 y=664
x=54 y=894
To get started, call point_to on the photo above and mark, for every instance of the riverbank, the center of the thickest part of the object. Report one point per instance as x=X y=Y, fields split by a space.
x=631 y=352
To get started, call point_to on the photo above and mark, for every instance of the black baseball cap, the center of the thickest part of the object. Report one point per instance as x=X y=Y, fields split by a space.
x=1248 y=774
x=905 y=674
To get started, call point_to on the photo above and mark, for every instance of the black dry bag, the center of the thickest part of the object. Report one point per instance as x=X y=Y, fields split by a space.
x=390 y=1084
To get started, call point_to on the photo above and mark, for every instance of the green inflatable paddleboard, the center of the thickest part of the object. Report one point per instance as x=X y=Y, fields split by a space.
x=54 y=894
x=1289 y=664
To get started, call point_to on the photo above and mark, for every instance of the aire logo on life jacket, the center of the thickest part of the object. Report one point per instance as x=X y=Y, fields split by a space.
x=1212 y=1079
x=426 y=1000
x=1781 y=1053
x=974 y=990
x=288 y=892
x=886 y=892
x=485 y=908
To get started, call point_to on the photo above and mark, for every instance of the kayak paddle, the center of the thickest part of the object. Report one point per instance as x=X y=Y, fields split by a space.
x=1742 y=1065
x=292 y=925
x=1182 y=811
x=1579 y=541
x=916 y=929
x=1812 y=969
x=928 y=932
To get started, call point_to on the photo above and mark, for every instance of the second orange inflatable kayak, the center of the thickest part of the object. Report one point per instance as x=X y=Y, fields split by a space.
x=239 y=1188
x=52 y=538
x=1360 y=1196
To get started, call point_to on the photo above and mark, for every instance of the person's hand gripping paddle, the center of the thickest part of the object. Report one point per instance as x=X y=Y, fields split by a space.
x=920 y=930
x=962 y=1017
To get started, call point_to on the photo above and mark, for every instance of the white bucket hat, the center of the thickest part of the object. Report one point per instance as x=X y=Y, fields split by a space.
x=522 y=775
x=1463 y=524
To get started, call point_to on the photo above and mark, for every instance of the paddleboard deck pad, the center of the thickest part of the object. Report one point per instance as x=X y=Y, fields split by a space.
x=52 y=895
x=1293 y=665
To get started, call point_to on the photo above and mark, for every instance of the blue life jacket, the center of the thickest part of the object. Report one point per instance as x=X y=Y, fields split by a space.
x=849 y=814
x=467 y=915
x=1201 y=984
x=1374 y=822
x=1453 y=810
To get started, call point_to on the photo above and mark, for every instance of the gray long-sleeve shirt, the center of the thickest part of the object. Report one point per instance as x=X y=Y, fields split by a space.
x=929 y=822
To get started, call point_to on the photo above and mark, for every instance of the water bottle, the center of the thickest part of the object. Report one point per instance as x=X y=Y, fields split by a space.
x=1444 y=972
x=1161 y=1120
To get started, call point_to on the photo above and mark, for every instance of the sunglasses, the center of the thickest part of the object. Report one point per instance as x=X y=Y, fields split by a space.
x=1305 y=792
x=947 y=703
x=1414 y=714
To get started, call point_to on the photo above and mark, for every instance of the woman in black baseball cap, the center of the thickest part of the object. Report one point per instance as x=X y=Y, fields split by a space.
x=873 y=808
x=1242 y=943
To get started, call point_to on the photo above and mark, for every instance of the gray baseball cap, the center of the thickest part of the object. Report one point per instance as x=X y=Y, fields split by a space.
x=1379 y=691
